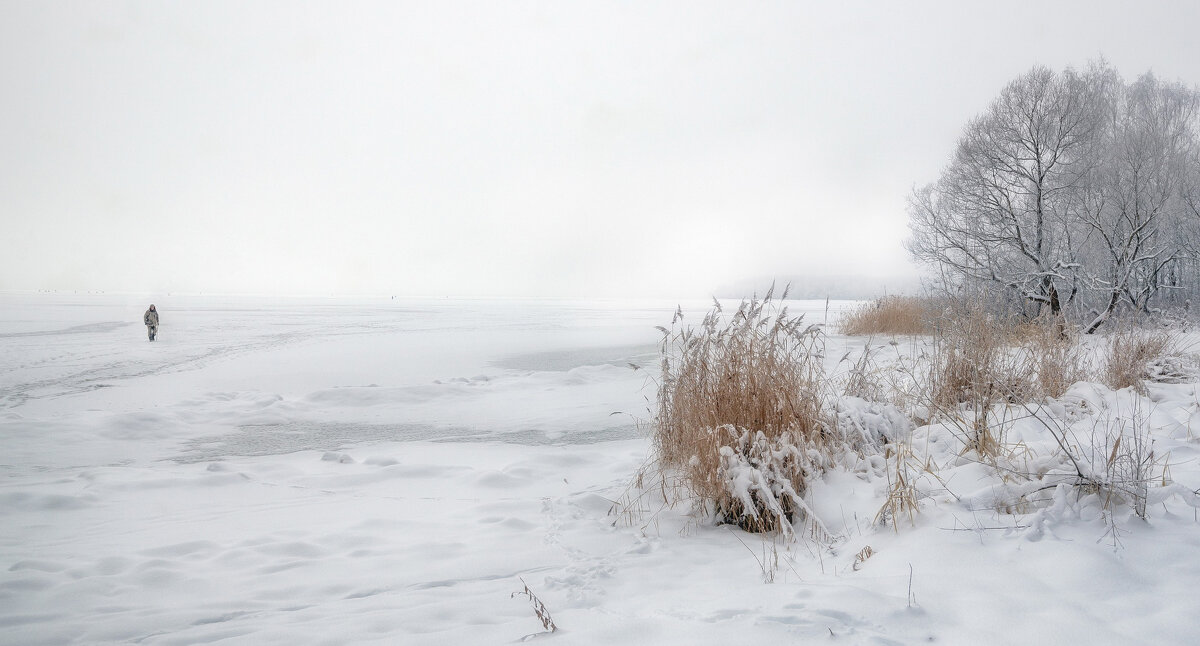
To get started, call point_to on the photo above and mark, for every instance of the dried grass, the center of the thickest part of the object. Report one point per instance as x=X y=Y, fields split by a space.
x=1130 y=353
x=901 y=490
x=973 y=364
x=740 y=402
x=865 y=379
x=1124 y=466
x=982 y=362
x=890 y=316
x=539 y=608
x=1057 y=356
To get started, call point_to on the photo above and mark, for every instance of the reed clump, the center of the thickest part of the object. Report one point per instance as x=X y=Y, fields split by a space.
x=973 y=361
x=982 y=362
x=741 y=416
x=890 y=316
x=1131 y=351
x=1057 y=356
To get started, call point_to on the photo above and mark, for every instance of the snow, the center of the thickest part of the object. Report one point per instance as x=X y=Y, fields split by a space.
x=333 y=471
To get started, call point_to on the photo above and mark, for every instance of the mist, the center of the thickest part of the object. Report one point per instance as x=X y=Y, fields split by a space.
x=523 y=149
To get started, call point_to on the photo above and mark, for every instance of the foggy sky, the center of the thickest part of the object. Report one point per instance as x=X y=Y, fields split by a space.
x=545 y=149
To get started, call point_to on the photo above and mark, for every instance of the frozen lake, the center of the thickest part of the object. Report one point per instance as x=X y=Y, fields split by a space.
x=137 y=476
x=340 y=371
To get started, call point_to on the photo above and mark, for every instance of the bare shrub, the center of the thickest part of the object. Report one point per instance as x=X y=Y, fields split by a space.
x=974 y=363
x=891 y=315
x=741 y=414
x=1129 y=355
x=1115 y=461
x=1122 y=467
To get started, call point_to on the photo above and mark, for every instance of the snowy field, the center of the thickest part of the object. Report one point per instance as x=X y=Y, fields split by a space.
x=387 y=471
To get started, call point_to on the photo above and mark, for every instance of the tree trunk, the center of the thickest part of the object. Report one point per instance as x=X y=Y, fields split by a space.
x=1112 y=304
x=1052 y=294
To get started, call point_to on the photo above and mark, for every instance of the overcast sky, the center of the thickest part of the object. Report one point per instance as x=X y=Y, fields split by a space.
x=504 y=148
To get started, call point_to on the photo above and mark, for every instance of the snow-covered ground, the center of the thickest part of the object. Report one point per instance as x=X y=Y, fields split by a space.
x=288 y=471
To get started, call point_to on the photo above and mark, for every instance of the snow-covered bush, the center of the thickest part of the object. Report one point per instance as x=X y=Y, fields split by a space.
x=764 y=480
x=1121 y=461
x=1110 y=453
x=871 y=422
x=760 y=373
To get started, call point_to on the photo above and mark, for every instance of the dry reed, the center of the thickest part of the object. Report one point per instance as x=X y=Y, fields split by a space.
x=975 y=368
x=889 y=316
x=901 y=490
x=741 y=413
x=1057 y=357
x=1130 y=352
x=539 y=608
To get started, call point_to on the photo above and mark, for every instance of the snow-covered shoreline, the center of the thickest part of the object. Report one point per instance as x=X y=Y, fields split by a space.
x=383 y=472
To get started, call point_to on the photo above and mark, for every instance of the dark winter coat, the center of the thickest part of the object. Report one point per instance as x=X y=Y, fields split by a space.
x=150 y=318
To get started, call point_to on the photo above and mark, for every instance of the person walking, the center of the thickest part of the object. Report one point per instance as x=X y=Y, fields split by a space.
x=150 y=318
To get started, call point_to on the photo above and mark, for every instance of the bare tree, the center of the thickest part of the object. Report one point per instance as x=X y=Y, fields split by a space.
x=1000 y=213
x=1137 y=202
x=1071 y=185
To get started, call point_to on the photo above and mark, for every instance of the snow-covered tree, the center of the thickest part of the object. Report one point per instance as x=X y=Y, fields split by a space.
x=1000 y=213
x=1073 y=190
x=1136 y=205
